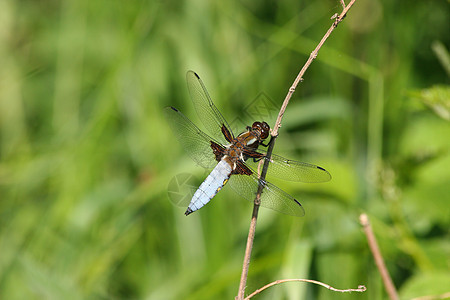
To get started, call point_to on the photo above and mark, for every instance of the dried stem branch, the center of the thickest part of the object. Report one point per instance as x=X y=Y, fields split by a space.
x=251 y=233
x=312 y=56
x=388 y=284
x=361 y=288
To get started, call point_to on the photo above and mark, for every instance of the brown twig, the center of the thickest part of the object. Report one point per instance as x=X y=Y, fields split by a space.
x=388 y=284
x=361 y=288
x=252 y=230
x=274 y=134
x=312 y=56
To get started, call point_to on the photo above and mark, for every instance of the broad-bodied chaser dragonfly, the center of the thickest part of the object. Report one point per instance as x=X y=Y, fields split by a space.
x=230 y=155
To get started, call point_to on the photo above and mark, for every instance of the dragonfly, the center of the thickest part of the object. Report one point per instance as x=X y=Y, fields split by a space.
x=230 y=156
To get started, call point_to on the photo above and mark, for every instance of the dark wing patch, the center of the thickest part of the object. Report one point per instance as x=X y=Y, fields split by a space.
x=226 y=133
x=242 y=169
x=218 y=150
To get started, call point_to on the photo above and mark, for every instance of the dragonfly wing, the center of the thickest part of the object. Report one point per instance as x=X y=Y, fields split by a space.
x=292 y=170
x=193 y=140
x=272 y=197
x=208 y=113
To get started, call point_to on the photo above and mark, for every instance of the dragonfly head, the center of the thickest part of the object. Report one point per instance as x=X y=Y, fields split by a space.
x=263 y=128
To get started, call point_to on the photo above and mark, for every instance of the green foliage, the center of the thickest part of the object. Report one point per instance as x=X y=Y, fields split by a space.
x=86 y=154
x=437 y=98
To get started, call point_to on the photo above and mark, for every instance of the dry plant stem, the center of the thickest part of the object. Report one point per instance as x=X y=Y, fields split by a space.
x=251 y=232
x=360 y=288
x=388 y=285
x=248 y=252
x=312 y=56
x=274 y=134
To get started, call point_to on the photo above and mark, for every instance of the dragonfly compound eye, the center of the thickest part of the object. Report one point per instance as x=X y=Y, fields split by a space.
x=263 y=128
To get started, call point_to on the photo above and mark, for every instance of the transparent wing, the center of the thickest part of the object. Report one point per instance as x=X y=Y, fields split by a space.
x=194 y=141
x=208 y=113
x=272 y=197
x=292 y=170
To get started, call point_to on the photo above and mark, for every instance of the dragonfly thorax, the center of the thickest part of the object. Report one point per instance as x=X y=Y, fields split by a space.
x=248 y=140
x=254 y=135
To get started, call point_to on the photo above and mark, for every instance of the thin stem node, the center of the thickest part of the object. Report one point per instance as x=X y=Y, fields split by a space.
x=361 y=288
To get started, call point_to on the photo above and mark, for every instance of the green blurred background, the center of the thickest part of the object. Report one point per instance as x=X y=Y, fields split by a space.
x=87 y=156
